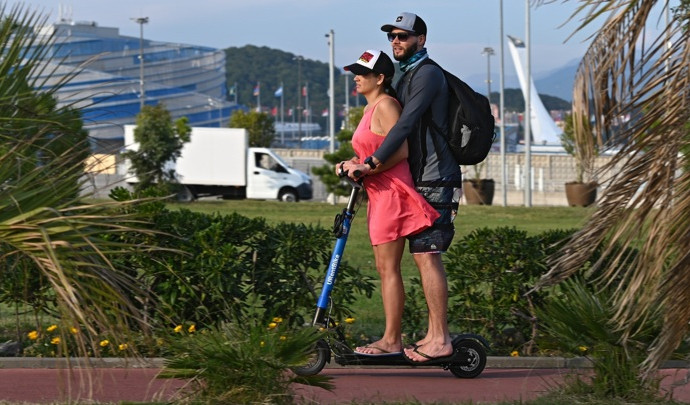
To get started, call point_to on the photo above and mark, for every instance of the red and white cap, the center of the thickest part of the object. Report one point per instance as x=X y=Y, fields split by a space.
x=372 y=61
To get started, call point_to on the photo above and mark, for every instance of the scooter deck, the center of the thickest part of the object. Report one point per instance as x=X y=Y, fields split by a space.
x=392 y=359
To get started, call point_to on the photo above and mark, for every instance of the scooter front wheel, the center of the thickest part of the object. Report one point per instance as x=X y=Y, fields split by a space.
x=317 y=360
x=472 y=356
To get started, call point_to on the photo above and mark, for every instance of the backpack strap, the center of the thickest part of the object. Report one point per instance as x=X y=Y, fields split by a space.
x=427 y=118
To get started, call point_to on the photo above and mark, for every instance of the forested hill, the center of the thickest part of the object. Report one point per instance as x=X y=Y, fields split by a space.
x=250 y=65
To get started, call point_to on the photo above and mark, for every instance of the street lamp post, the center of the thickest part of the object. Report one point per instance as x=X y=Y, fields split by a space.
x=347 y=76
x=501 y=109
x=141 y=21
x=488 y=51
x=331 y=90
x=528 y=110
x=299 y=96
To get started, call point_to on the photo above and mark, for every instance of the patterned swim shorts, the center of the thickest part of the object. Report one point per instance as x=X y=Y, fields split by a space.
x=444 y=197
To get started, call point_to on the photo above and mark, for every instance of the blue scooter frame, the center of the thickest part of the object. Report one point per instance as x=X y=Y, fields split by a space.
x=469 y=350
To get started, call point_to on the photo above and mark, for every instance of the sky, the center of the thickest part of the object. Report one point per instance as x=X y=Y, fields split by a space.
x=458 y=30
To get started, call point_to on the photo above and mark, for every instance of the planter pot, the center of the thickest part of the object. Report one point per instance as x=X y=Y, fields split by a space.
x=479 y=192
x=581 y=194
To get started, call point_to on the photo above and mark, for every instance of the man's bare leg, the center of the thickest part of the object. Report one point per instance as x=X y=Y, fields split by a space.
x=437 y=341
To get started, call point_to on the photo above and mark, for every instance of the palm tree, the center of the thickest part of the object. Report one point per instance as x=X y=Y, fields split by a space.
x=42 y=219
x=634 y=93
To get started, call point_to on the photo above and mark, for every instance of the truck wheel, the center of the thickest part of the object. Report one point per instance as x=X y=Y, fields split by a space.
x=288 y=196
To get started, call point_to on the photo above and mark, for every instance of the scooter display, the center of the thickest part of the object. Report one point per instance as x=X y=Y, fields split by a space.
x=469 y=350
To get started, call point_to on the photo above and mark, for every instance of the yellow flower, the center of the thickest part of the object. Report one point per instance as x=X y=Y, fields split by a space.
x=55 y=340
x=349 y=320
x=277 y=319
x=104 y=343
x=272 y=325
x=123 y=346
x=192 y=329
x=514 y=353
x=283 y=337
x=178 y=329
x=33 y=335
x=262 y=344
x=583 y=349
x=74 y=330
x=51 y=328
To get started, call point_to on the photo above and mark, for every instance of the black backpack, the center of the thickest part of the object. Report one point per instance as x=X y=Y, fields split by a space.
x=470 y=121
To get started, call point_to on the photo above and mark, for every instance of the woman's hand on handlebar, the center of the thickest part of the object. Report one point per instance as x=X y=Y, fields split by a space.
x=349 y=167
x=355 y=170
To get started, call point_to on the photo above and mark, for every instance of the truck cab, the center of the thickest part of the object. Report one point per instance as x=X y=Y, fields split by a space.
x=270 y=175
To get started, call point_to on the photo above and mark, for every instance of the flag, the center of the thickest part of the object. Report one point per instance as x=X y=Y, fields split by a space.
x=231 y=90
x=306 y=112
x=304 y=91
x=279 y=92
x=290 y=112
x=324 y=113
x=354 y=91
x=257 y=89
x=274 y=111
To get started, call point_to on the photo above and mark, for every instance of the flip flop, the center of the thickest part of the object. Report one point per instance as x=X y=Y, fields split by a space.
x=430 y=359
x=383 y=352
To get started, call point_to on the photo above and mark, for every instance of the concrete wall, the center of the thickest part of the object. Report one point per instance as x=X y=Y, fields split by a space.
x=549 y=175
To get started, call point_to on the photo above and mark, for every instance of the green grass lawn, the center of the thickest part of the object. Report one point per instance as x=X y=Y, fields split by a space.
x=359 y=252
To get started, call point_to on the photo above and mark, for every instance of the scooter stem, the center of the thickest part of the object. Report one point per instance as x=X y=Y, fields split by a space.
x=334 y=264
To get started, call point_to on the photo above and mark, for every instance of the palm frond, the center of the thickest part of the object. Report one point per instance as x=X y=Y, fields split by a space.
x=635 y=93
x=43 y=219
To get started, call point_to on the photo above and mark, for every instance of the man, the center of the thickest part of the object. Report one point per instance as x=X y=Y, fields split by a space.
x=424 y=97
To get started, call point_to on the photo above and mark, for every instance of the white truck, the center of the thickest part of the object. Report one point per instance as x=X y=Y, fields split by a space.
x=219 y=162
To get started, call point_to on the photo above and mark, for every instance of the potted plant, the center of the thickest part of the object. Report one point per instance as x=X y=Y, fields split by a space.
x=478 y=191
x=579 y=193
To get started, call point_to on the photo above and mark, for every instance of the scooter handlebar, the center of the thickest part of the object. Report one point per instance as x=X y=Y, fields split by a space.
x=356 y=184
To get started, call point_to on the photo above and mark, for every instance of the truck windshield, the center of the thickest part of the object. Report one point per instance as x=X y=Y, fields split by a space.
x=268 y=162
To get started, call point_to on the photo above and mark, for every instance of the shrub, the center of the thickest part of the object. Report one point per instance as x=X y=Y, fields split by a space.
x=577 y=320
x=222 y=267
x=243 y=363
x=498 y=268
x=489 y=272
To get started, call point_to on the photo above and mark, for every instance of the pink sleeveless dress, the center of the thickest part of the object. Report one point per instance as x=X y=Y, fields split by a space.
x=395 y=208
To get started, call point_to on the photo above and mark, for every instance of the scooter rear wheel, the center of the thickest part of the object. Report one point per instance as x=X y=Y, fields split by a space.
x=475 y=355
x=317 y=361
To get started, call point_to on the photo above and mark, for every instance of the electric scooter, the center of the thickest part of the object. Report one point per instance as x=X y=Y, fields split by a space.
x=469 y=350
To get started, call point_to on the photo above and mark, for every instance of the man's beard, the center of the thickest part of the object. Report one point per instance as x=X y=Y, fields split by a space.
x=407 y=55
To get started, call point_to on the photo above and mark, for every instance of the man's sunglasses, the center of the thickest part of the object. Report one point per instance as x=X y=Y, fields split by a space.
x=402 y=36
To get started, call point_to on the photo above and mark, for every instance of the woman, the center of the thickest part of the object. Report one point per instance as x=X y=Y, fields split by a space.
x=395 y=209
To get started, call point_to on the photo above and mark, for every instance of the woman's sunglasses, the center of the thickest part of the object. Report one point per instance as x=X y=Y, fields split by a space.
x=402 y=36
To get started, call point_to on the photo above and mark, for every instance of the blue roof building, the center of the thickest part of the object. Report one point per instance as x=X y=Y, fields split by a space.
x=189 y=80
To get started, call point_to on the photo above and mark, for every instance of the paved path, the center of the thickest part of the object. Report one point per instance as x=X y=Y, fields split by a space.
x=351 y=384
x=109 y=385
x=436 y=385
